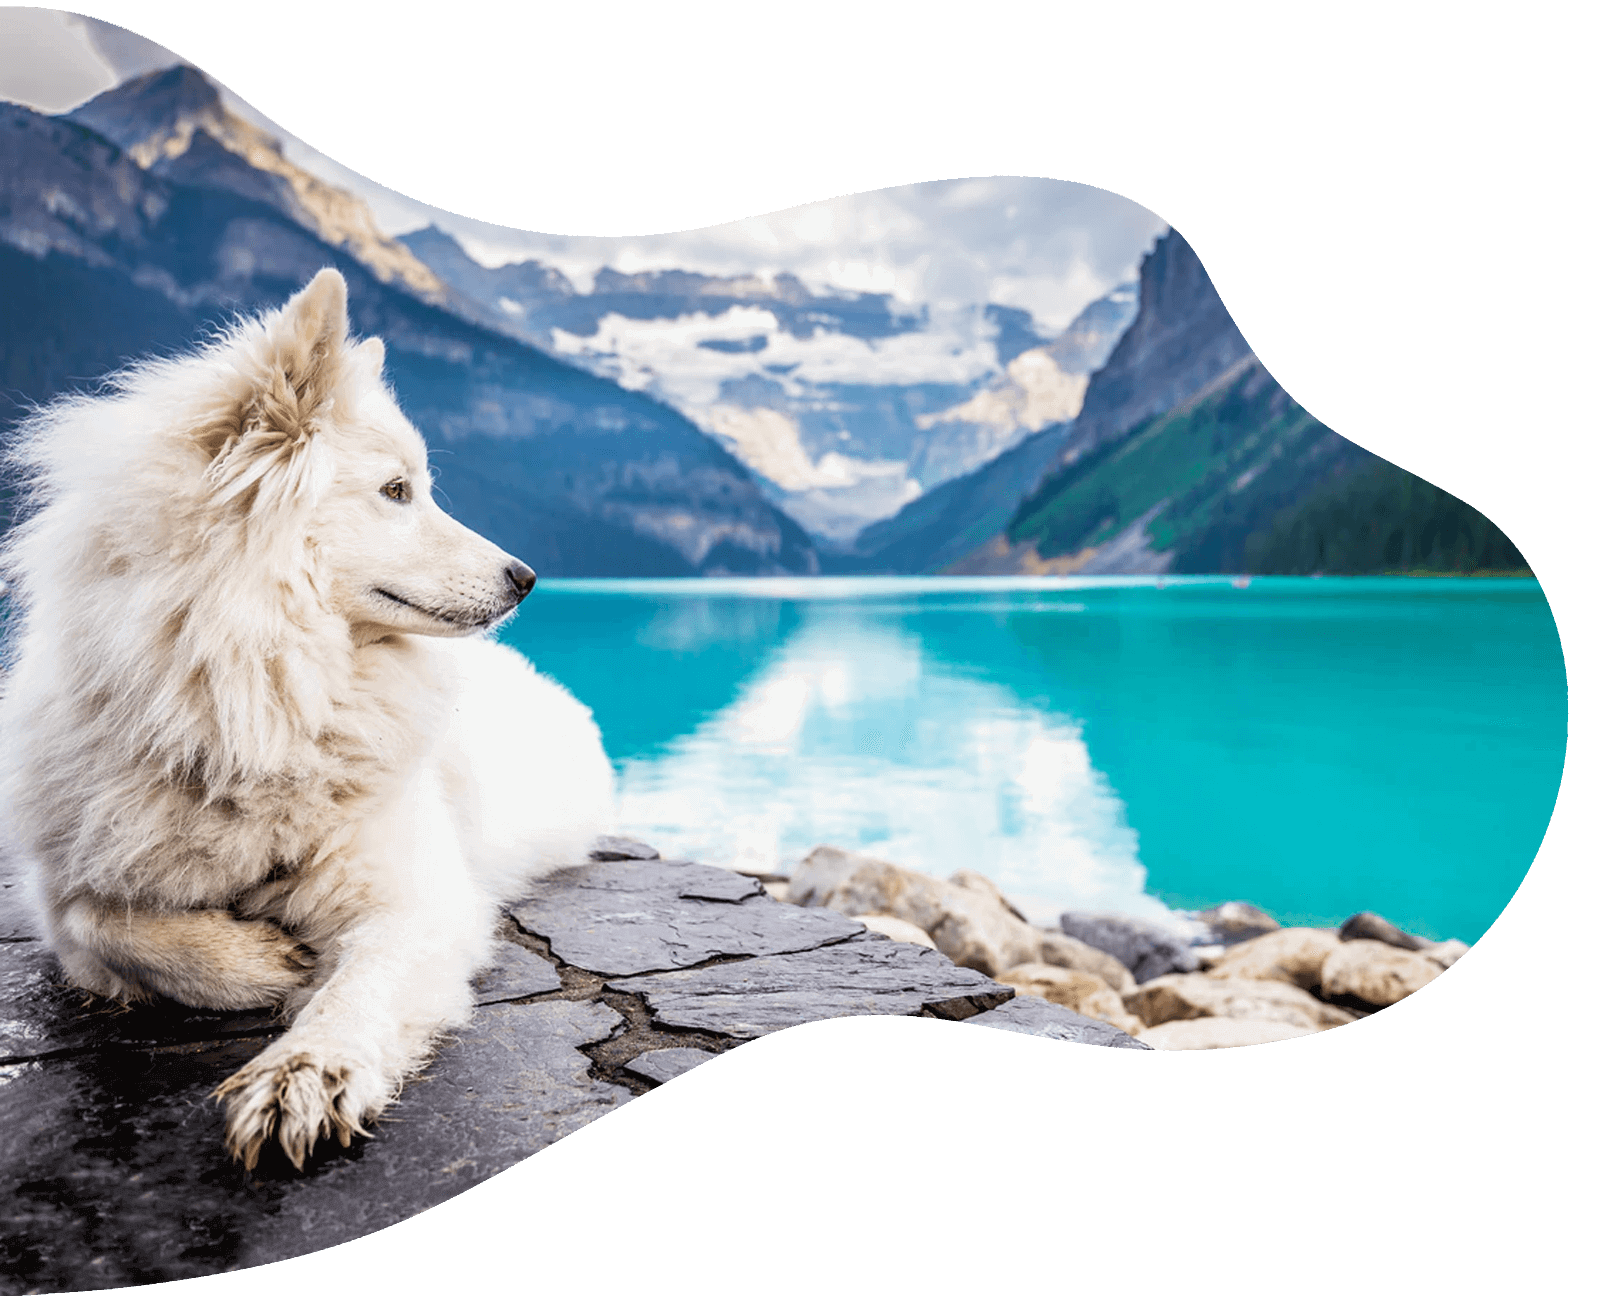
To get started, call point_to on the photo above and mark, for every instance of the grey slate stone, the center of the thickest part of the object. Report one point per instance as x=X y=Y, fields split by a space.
x=40 y=1013
x=1030 y=1015
x=112 y=1171
x=1146 y=949
x=864 y=976
x=16 y=919
x=516 y=973
x=618 y=918
x=668 y=1062
x=619 y=848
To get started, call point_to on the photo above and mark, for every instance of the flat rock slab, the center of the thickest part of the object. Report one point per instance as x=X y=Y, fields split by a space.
x=863 y=976
x=668 y=1062
x=515 y=973
x=41 y=1014
x=112 y=1171
x=1030 y=1015
x=625 y=918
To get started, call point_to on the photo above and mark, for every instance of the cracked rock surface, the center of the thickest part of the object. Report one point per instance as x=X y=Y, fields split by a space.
x=867 y=975
x=609 y=979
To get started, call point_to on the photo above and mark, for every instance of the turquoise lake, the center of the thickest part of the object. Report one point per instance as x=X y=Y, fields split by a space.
x=1314 y=746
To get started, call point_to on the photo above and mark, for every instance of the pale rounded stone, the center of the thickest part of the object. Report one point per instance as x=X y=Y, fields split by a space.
x=1218 y=1031
x=1292 y=956
x=974 y=927
x=1236 y=921
x=1446 y=954
x=1375 y=972
x=966 y=878
x=893 y=927
x=1191 y=997
x=1074 y=989
x=823 y=870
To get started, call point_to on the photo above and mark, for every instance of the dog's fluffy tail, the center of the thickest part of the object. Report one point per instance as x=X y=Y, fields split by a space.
x=200 y=958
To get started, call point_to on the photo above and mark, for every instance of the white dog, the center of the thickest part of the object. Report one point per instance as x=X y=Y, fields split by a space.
x=243 y=760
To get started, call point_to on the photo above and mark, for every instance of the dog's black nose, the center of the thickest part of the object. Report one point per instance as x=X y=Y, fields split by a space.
x=521 y=578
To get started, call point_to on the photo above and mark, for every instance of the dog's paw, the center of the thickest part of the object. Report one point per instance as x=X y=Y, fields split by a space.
x=298 y=1096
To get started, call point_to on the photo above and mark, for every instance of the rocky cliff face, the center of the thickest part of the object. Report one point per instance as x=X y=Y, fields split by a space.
x=173 y=123
x=1239 y=478
x=1187 y=457
x=102 y=260
x=1180 y=340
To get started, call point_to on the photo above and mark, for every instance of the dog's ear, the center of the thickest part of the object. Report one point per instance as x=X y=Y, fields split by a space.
x=309 y=340
x=305 y=351
x=370 y=354
x=295 y=369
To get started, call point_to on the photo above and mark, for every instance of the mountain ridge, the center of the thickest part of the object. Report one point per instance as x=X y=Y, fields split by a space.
x=1186 y=457
x=845 y=405
x=554 y=463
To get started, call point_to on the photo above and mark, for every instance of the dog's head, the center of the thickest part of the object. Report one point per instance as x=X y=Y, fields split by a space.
x=311 y=448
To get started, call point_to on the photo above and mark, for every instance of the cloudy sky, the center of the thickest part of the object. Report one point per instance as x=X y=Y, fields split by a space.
x=1048 y=246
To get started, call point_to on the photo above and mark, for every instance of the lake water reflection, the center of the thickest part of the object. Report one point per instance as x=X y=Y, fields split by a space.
x=1315 y=746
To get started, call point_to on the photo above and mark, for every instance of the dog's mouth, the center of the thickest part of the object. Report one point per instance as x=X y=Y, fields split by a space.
x=438 y=615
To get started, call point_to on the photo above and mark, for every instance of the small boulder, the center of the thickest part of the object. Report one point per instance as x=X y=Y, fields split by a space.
x=1446 y=954
x=893 y=927
x=969 y=879
x=1293 y=955
x=1235 y=922
x=1369 y=925
x=1191 y=997
x=1375 y=973
x=822 y=871
x=1145 y=948
x=1057 y=949
x=1074 y=989
x=969 y=924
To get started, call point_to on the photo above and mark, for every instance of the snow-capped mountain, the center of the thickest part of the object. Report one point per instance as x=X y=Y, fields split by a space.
x=846 y=405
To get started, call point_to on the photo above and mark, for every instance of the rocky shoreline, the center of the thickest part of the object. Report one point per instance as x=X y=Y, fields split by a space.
x=610 y=978
x=1236 y=978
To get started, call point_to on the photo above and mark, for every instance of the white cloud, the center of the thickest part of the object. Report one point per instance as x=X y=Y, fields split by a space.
x=1035 y=392
x=957 y=348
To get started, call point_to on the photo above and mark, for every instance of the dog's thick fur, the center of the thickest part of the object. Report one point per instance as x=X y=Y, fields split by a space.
x=253 y=751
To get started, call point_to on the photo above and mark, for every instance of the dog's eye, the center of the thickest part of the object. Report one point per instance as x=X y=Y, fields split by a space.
x=397 y=489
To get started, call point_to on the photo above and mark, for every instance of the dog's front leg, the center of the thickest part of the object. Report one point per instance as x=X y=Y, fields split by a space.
x=400 y=972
